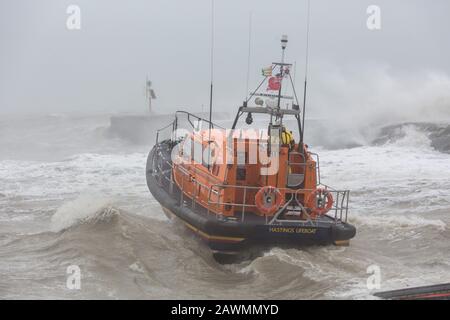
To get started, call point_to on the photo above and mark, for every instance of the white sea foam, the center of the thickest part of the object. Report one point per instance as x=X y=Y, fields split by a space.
x=118 y=173
x=82 y=209
x=137 y=267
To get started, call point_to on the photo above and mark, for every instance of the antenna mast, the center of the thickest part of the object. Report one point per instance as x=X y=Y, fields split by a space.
x=212 y=69
x=249 y=52
x=306 y=72
x=211 y=88
x=284 y=41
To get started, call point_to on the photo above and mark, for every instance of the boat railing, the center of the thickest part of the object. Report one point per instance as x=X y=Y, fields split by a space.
x=339 y=207
x=163 y=130
x=317 y=160
x=191 y=116
x=186 y=176
x=195 y=123
x=297 y=176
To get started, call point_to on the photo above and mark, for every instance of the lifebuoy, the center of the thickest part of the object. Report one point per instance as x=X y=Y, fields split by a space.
x=268 y=200
x=321 y=208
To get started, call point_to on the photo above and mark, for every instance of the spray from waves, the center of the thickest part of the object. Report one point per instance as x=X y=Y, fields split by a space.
x=84 y=209
x=418 y=134
x=410 y=136
x=375 y=96
x=352 y=105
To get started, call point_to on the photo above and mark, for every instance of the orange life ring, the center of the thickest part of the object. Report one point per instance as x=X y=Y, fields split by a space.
x=268 y=200
x=323 y=208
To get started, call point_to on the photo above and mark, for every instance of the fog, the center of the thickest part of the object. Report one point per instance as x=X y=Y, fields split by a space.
x=400 y=71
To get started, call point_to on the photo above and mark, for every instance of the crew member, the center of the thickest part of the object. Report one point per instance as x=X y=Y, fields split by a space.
x=287 y=138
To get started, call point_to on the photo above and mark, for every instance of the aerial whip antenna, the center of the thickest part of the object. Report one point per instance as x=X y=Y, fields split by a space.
x=212 y=69
x=295 y=72
x=306 y=71
x=249 y=51
x=212 y=78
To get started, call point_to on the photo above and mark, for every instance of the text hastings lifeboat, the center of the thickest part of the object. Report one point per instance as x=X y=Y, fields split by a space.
x=244 y=188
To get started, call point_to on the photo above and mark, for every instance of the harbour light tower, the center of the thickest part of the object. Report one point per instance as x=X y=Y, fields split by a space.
x=149 y=94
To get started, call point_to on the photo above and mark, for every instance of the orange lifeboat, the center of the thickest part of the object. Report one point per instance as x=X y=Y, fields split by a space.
x=248 y=185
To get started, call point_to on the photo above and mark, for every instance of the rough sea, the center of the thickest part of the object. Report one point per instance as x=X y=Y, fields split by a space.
x=71 y=194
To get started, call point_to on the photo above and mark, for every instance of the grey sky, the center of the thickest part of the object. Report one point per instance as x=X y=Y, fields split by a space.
x=102 y=67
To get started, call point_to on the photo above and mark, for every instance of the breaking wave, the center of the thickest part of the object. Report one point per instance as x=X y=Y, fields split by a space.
x=85 y=209
x=418 y=134
x=409 y=134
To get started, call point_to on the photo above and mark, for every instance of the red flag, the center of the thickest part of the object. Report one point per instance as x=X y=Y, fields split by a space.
x=274 y=83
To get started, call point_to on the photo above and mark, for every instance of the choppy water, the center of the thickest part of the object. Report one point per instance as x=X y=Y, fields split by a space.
x=71 y=196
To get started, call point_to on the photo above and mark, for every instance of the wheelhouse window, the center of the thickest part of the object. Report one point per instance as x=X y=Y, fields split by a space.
x=241 y=158
x=209 y=154
x=197 y=157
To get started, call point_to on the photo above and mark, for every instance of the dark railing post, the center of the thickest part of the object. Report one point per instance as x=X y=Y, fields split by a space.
x=171 y=181
x=182 y=191
x=336 y=210
x=244 y=203
x=346 y=207
x=209 y=199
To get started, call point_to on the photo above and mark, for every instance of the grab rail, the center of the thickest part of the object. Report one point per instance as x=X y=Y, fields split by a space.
x=340 y=208
x=189 y=116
